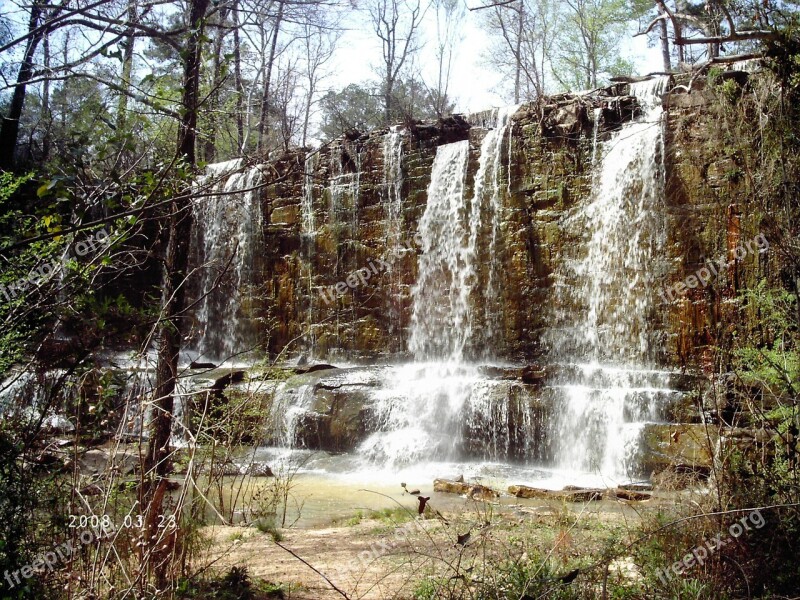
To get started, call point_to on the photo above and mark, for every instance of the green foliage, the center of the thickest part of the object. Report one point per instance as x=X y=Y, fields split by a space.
x=236 y=584
x=516 y=578
x=360 y=107
x=355 y=519
x=426 y=588
x=30 y=501
x=769 y=356
x=762 y=346
x=267 y=525
x=10 y=183
x=590 y=36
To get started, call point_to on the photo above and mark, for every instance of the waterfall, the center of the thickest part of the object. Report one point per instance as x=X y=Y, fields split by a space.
x=344 y=190
x=441 y=320
x=430 y=408
x=595 y=127
x=307 y=205
x=290 y=404
x=418 y=414
x=307 y=234
x=393 y=182
x=225 y=237
x=487 y=182
x=607 y=297
x=444 y=322
x=393 y=209
x=344 y=184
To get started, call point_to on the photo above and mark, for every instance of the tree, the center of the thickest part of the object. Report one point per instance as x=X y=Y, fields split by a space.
x=270 y=62
x=174 y=297
x=360 y=107
x=720 y=25
x=209 y=145
x=128 y=45
x=356 y=107
x=319 y=43
x=415 y=101
x=590 y=36
x=523 y=36
x=449 y=19
x=9 y=131
x=396 y=23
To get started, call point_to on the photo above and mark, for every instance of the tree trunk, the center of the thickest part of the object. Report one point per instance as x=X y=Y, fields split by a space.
x=173 y=306
x=9 y=131
x=127 y=70
x=209 y=146
x=665 y=46
x=387 y=102
x=262 y=124
x=518 y=54
x=237 y=76
x=45 y=114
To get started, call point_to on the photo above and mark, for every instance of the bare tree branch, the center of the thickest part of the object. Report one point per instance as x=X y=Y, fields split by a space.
x=501 y=3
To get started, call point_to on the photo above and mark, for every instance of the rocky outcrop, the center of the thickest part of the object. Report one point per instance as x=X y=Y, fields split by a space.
x=339 y=413
x=684 y=447
x=568 y=495
x=338 y=260
x=338 y=416
x=578 y=494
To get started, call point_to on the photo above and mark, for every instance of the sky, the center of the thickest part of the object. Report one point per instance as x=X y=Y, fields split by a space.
x=474 y=86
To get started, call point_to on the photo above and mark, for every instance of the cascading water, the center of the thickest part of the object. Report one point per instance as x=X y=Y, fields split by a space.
x=344 y=190
x=418 y=411
x=445 y=407
x=595 y=127
x=307 y=234
x=225 y=236
x=393 y=209
x=488 y=178
x=444 y=323
x=429 y=407
x=604 y=335
x=441 y=322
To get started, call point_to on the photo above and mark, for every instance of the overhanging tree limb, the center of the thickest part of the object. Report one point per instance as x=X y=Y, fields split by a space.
x=678 y=18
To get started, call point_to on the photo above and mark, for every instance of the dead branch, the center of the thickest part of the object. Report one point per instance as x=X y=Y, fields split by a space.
x=310 y=566
x=492 y=5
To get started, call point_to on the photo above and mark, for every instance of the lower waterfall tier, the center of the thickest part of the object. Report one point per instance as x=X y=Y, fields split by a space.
x=394 y=417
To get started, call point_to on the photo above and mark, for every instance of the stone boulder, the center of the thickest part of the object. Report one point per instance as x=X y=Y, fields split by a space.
x=463 y=488
x=339 y=415
x=571 y=494
x=98 y=460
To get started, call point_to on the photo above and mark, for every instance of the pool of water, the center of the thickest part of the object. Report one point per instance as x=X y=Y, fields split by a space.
x=330 y=488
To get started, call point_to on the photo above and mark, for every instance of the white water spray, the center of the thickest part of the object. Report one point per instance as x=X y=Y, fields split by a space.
x=607 y=295
x=227 y=226
x=429 y=408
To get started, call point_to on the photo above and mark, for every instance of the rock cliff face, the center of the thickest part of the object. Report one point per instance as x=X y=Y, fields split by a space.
x=336 y=256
